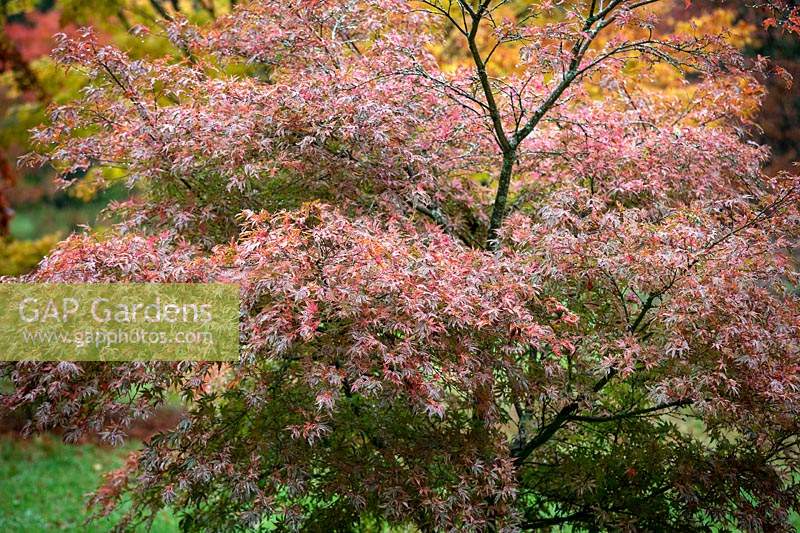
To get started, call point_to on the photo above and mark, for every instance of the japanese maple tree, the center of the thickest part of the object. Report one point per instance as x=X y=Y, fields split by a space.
x=474 y=297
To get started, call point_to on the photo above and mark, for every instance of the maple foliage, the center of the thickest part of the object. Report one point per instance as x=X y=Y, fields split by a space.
x=472 y=299
x=785 y=15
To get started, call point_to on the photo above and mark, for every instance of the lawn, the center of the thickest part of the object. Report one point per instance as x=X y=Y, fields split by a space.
x=44 y=484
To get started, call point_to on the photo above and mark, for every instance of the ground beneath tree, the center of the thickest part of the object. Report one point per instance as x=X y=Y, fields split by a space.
x=164 y=419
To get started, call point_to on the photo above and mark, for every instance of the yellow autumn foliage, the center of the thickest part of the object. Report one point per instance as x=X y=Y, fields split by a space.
x=18 y=257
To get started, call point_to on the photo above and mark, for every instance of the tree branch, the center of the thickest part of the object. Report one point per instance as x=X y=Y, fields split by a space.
x=544 y=434
x=632 y=414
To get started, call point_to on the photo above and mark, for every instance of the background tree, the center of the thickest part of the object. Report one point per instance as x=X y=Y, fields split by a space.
x=29 y=82
x=473 y=298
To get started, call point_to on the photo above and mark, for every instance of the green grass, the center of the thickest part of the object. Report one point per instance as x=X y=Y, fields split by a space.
x=44 y=484
x=34 y=221
x=61 y=214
